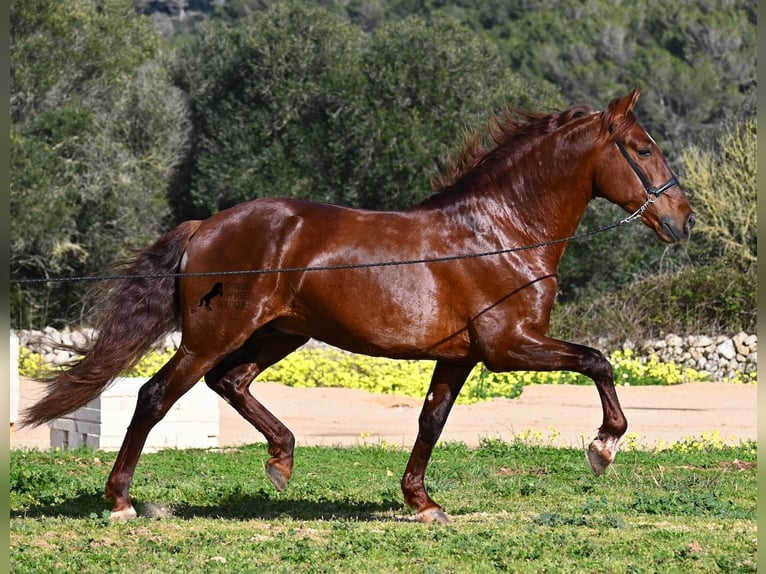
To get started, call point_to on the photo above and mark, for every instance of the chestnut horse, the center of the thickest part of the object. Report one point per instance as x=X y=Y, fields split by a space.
x=253 y=283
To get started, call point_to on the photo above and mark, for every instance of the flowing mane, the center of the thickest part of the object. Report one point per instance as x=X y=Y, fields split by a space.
x=508 y=134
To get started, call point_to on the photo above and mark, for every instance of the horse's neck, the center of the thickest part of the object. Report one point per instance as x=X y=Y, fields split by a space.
x=542 y=196
x=539 y=196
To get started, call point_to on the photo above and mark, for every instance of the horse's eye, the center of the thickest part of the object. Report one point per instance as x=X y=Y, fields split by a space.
x=645 y=152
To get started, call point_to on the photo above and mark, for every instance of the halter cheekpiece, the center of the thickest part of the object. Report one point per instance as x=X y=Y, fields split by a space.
x=650 y=189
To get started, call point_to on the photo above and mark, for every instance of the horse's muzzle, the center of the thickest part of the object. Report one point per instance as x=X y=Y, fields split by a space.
x=674 y=233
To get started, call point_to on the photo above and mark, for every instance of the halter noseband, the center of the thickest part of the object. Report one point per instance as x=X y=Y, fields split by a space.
x=650 y=189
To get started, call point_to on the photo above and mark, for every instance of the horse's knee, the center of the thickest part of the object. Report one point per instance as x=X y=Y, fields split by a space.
x=432 y=418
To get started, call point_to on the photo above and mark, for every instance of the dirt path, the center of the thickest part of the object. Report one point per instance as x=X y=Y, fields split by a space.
x=565 y=415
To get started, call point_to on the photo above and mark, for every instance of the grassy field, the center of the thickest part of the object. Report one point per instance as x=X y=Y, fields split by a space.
x=515 y=507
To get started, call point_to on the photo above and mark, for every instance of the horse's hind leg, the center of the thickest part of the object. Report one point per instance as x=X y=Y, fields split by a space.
x=155 y=398
x=231 y=379
x=233 y=387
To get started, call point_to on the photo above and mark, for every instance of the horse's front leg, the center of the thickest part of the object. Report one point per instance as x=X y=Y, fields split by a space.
x=446 y=382
x=540 y=353
x=603 y=448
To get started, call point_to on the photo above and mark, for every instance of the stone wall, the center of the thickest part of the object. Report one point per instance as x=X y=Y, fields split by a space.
x=723 y=358
x=46 y=342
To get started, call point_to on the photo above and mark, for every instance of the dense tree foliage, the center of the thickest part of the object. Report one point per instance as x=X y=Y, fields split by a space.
x=122 y=125
x=695 y=58
x=298 y=102
x=96 y=131
x=270 y=101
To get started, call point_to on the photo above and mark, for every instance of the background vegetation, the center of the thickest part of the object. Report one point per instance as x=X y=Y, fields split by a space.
x=128 y=117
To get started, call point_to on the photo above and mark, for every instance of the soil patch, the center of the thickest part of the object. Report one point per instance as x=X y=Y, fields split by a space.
x=562 y=415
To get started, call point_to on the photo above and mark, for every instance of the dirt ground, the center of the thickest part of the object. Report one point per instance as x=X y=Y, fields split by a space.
x=564 y=415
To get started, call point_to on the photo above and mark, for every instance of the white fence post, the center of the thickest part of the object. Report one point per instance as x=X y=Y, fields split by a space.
x=14 y=402
x=192 y=422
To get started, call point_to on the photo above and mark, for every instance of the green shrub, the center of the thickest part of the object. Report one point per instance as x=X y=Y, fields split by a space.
x=332 y=368
x=32 y=365
x=716 y=299
x=335 y=368
x=150 y=363
x=722 y=188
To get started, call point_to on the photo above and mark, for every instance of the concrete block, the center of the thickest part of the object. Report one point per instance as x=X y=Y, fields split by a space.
x=64 y=425
x=193 y=422
x=88 y=413
x=91 y=441
x=59 y=438
x=87 y=427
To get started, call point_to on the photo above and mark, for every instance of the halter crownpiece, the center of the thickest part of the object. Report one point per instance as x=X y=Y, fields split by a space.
x=650 y=189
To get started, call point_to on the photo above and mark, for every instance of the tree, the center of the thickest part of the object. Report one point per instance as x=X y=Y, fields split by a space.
x=428 y=81
x=97 y=130
x=270 y=100
x=297 y=102
x=695 y=59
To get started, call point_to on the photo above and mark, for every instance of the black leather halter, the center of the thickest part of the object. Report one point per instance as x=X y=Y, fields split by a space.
x=650 y=189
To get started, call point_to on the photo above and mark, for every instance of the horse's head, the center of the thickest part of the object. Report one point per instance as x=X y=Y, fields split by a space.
x=632 y=172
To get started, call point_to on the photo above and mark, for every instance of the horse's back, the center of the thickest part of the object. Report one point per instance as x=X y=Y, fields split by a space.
x=297 y=232
x=310 y=269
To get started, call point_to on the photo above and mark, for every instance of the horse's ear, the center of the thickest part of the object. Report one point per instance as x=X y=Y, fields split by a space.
x=619 y=108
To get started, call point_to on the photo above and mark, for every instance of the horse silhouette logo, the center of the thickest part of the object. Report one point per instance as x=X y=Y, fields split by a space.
x=214 y=292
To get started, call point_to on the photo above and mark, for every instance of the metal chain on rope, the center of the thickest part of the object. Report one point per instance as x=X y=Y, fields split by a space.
x=75 y=279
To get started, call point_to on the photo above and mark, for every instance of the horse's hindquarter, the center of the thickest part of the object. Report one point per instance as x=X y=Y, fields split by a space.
x=418 y=310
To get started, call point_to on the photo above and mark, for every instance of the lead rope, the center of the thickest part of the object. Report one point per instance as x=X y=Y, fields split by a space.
x=75 y=279
x=640 y=211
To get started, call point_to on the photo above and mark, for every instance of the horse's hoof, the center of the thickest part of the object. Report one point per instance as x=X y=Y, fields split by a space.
x=433 y=515
x=277 y=478
x=123 y=514
x=601 y=454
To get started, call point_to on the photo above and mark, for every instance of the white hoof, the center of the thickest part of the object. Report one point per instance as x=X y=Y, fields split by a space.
x=433 y=515
x=124 y=514
x=601 y=453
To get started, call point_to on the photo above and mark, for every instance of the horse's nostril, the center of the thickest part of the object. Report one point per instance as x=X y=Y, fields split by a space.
x=690 y=223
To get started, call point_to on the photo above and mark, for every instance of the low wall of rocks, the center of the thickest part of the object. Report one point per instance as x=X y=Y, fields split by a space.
x=46 y=342
x=723 y=358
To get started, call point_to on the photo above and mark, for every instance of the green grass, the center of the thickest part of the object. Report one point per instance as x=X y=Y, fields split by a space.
x=514 y=507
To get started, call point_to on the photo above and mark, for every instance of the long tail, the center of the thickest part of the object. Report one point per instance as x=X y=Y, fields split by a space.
x=140 y=311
